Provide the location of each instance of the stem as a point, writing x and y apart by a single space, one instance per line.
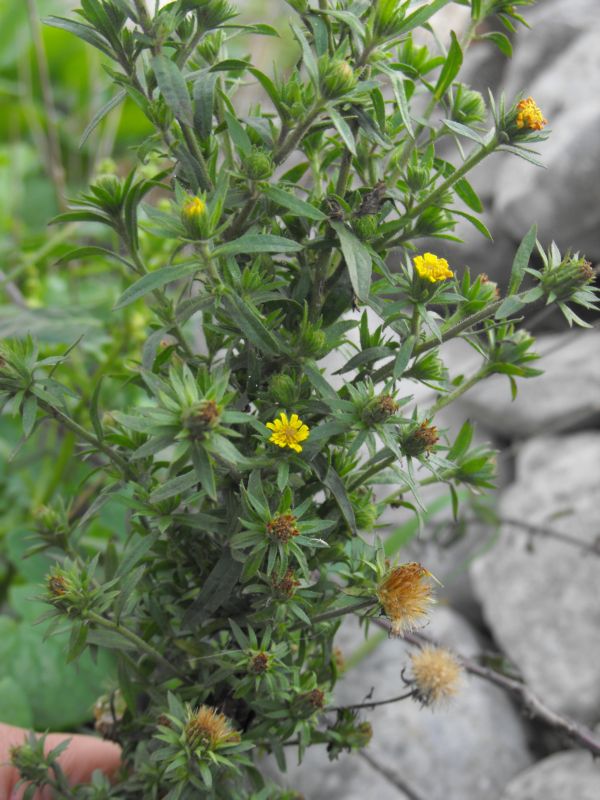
289 144
467 165
459 391
372 704
102 622
55 165
89 437
190 140
340 612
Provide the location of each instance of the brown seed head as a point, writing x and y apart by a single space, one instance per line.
283 527
286 586
202 418
437 675
422 440
259 663
406 595
209 729
57 586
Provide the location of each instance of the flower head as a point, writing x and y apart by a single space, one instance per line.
529 115
283 527
431 268
194 207
437 675
209 729
288 432
406 595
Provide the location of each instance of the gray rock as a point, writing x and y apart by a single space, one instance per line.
565 397
347 778
564 198
563 776
540 595
466 751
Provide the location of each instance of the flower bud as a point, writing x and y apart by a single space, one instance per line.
366 227
379 409
195 218
417 177
283 389
201 419
389 17
468 106
336 77
258 165
421 440
210 45
569 276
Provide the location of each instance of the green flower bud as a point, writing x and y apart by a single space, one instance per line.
417 177
201 419
468 106
366 227
210 45
109 193
565 279
195 218
258 165
210 13
379 409
336 77
388 18
283 390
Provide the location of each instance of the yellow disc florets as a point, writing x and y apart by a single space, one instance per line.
432 268
529 115
288 432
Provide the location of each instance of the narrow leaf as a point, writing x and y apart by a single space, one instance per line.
173 88
521 261
154 280
358 260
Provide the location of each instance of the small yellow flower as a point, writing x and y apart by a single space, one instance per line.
529 115
432 268
288 432
406 595
194 207
437 675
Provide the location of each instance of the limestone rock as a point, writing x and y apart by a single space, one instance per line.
540 595
565 397
563 199
573 775
466 751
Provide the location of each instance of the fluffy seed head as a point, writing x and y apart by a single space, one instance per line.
437 675
209 729
406 596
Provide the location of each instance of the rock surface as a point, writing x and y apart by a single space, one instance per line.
540 595
467 751
563 776
565 397
563 198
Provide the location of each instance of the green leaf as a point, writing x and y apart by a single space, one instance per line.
404 356
257 243
100 114
501 41
451 67
173 88
293 203
511 305
330 479
204 98
247 318
521 261
30 407
357 258
154 280
343 129
421 15
475 221
215 591
175 486
462 130
83 32
307 55
468 195
238 135
15 708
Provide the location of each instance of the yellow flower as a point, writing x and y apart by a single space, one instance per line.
437 675
288 433
432 268
194 207
529 115
406 595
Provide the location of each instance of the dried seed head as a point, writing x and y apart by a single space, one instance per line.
282 527
437 675
421 440
406 596
285 586
259 663
202 418
378 409
208 729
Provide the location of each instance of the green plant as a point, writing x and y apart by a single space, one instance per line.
250 245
